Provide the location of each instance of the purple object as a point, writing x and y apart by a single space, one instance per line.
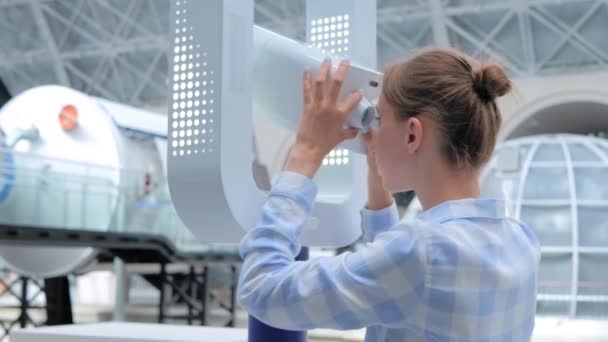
260 332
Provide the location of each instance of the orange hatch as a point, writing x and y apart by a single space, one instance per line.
68 117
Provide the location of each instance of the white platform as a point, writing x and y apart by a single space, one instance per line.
128 332
547 330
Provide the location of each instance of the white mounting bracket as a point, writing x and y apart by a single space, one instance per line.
210 122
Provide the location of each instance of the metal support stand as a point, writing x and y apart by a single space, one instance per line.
192 289
120 301
19 289
260 332
191 280
189 287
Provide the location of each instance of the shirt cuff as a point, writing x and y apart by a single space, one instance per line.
374 221
295 186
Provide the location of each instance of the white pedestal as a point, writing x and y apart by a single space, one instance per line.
128 332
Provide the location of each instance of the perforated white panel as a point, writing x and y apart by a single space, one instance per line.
209 147
194 106
330 28
331 33
337 157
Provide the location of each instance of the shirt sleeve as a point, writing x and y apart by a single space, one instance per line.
377 221
381 283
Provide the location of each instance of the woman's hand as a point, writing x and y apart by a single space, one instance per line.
321 126
378 196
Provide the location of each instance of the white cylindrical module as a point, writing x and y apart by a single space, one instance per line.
279 64
70 173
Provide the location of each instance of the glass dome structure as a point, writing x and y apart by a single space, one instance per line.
558 185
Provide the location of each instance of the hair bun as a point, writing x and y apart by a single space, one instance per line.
490 81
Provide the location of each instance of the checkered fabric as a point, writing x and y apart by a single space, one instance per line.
461 271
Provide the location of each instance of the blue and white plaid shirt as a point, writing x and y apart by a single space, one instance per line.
461 271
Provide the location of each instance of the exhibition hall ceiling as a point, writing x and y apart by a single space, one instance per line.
117 49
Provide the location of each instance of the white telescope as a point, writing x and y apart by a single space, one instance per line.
279 63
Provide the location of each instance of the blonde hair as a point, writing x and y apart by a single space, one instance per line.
456 91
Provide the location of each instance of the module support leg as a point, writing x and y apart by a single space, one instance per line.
120 301
233 296
58 301
162 288
24 302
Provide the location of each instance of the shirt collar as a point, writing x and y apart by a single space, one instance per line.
464 208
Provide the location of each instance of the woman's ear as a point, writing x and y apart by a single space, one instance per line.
413 137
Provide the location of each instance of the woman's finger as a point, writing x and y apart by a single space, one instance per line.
321 81
349 133
351 102
307 87
367 137
337 81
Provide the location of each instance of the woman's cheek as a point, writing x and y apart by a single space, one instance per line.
381 161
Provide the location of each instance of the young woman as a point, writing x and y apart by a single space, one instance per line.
461 271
